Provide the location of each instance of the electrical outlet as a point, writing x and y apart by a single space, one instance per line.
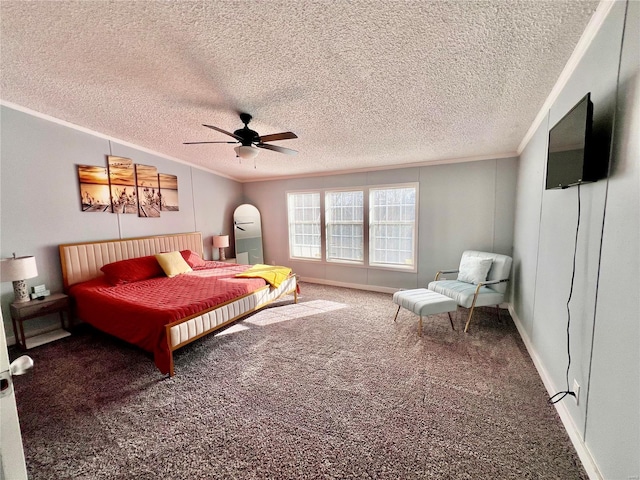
576 391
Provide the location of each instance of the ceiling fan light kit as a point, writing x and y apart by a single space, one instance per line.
250 141
246 152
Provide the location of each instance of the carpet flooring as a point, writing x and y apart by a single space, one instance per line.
327 388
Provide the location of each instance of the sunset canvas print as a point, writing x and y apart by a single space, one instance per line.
169 192
94 188
122 184
148 191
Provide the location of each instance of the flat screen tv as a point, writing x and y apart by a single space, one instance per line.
573 156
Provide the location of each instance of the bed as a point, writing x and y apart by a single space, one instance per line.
157 313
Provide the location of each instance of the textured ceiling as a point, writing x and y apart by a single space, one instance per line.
364 84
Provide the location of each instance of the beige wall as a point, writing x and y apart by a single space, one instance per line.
605 305
461 206
40 206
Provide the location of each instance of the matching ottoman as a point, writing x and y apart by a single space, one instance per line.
424 302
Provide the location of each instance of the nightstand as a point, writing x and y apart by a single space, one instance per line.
20 312
229 260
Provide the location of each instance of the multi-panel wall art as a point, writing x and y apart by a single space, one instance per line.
125 187
122 180
148 191
94 188
169 189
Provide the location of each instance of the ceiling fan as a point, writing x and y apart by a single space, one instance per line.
249 139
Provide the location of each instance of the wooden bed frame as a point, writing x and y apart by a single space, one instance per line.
82 261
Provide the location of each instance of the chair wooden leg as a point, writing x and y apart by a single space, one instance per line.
397 311
498 310
451 321
420 327
473 305
466 327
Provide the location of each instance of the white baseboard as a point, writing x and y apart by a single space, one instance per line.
369 288
357 286
575 436
36 332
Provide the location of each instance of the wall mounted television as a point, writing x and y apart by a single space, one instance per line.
575 155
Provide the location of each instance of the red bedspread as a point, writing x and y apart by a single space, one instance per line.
138 312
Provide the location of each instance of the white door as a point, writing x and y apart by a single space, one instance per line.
12 465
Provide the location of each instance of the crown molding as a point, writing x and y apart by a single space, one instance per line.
593 27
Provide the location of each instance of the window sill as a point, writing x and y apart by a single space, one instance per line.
388 268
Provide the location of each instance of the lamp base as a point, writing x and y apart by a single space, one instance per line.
222 257
20 291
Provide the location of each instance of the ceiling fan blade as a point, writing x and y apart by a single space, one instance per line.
197 143
278 136
276 148
223 131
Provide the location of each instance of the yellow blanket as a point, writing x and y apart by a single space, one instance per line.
274 275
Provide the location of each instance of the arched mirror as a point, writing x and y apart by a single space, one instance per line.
248 234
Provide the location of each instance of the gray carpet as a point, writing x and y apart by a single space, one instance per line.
329 388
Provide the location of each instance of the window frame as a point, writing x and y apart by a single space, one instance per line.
414 238
321 203
366 189
326 227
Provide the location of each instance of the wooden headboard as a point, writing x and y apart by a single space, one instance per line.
82 261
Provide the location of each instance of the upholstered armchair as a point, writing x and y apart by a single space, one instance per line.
481 281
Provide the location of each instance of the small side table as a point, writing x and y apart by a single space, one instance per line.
20 312
228 260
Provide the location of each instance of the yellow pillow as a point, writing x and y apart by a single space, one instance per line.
173 263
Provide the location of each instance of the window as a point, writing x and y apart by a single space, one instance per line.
344 226
392 226
331 225
304 225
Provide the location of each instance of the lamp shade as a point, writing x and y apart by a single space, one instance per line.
246 151
221 241
17 270
20 268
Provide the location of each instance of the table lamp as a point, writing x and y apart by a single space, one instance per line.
221 242
17 270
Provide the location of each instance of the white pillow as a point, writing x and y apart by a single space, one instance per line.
474 269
